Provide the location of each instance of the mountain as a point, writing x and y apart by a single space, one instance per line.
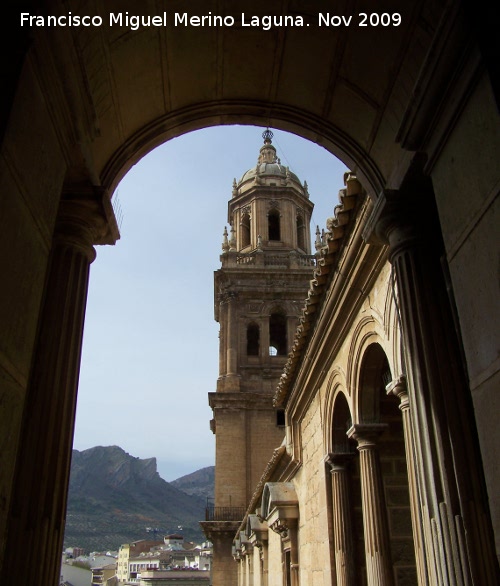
114 497
199 483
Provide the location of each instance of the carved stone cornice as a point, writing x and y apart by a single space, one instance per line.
281 527
228 400
219 530
327 259
225 296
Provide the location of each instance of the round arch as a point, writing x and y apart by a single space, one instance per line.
368 332
336 386
374 371
340 423
205 115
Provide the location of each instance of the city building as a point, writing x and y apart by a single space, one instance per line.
74 552
407 95
130 551
176 577
104 575
143 556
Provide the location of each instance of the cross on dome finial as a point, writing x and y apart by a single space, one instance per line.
267 135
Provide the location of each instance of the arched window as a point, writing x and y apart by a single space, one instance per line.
274 227
253 339
301 233
245 230
277 334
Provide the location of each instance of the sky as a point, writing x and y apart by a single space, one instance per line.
150 347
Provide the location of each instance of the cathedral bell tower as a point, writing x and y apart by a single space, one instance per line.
259 294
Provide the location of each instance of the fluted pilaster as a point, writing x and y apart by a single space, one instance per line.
343 540
457 536
376 532
264 556
232 343
399 389
42 474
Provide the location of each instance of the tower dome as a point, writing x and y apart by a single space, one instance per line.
270 210
269 170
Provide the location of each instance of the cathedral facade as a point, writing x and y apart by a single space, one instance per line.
341 500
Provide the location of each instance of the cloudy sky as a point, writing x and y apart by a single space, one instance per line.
150 352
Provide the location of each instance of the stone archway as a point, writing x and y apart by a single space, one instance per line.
82 107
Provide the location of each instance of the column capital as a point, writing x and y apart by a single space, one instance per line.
398 387
227 297
394 221
366 434
86 218
339 462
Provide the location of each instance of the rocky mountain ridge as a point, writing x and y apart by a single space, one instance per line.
200 483
116 498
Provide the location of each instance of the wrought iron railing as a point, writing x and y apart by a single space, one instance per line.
213 513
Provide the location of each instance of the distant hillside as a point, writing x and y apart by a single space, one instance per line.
199 483
113 497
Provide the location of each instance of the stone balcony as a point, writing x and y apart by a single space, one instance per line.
283 260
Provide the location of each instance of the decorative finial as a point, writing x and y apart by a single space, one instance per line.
225 242
235 187
267 135
232 241
318 242
267 153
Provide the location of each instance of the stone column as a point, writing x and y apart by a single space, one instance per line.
36 517
343 541
229 380
294 552
457 534
232 338
264 555
398 388
249 553
225 571
259 539
376 532
222 340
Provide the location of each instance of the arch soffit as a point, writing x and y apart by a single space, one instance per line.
267 308
392 330
336 387
217 113
275 308
367 332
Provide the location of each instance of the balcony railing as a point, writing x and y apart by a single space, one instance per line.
213 513
276 259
